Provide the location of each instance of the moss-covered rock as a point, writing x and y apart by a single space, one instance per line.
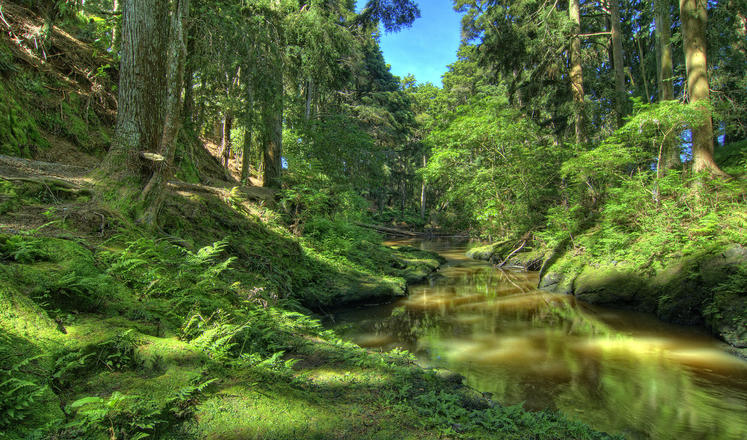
608 285
708 289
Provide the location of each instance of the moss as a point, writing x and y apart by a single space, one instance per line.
19 133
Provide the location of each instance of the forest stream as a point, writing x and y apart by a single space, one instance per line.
619 371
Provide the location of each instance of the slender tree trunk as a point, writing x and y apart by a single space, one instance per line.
664 75
642 68
155 191
189 73
664 31
246 156
577 80
309 96
225 143
617 61
694 17
422 192
115 5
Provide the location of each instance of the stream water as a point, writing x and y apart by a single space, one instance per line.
620 372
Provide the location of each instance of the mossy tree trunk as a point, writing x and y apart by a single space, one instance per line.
694 17
154 192
149 97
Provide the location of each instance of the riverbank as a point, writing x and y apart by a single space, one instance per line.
616 370
204 329
704 289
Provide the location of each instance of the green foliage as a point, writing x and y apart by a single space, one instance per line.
120 352
19 390
494 167
159 269
23 249
120 415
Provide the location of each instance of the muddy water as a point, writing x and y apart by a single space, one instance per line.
618 371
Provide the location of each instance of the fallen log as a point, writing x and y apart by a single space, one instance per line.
391 231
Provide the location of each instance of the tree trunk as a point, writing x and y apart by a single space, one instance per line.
189 73
272 115
664 31
422 192
617 61
139 125
309 96
246 156
694 17
642 68
577 80
115 5
155 191
664 75
225 144
273 148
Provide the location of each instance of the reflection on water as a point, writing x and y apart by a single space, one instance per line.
619 371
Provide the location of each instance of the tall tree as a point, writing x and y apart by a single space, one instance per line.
694 17
665 74
577 77
149 97
617 60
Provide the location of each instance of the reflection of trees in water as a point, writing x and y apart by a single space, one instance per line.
545 350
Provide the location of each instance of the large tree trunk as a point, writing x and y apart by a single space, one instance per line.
155 191
617 61
273 148
577 79
142 77
694 17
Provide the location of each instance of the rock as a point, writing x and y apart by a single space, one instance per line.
557 282
449 376
607 286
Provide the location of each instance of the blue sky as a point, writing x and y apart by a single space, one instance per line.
426 48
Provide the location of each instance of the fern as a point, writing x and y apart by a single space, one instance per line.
18 393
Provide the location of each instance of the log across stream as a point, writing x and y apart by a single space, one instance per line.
621 372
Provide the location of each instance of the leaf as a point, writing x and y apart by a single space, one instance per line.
86 401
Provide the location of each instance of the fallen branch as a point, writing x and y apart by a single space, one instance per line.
512 253
391 231
62 185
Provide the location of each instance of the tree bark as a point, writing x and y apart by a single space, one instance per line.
139 125
246 155
422 192
273 148
225 143
154 192
664 31
694 17
309 96
577 80
664 75
617 61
